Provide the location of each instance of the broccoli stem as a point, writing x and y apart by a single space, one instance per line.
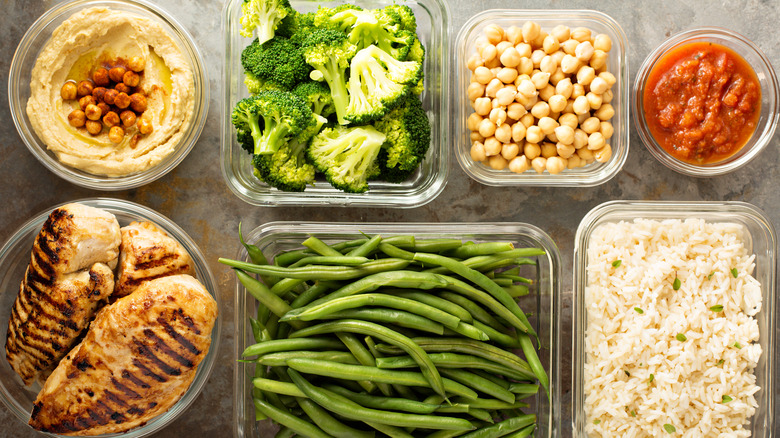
334 76
272 137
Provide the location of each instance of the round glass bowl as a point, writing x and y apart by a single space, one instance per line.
19 92
617 63
14 258
770 99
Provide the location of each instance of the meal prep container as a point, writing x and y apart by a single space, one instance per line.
14 258
422 187
760 240
770 100
19 91
543 302
465 45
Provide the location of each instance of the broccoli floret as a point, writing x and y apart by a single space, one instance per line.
329 52
383 28
347 156
271 118
317 95
408 133
378 83
256 85
286 169
263 16
403 16
278 60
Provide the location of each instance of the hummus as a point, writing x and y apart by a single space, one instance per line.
77 47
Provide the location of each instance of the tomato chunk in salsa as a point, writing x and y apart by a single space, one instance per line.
702 102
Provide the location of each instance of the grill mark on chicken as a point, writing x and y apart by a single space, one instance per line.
136 381
134 282
182 340
145 351
117 400
155 262
36 304
162 346
33 276
147 372
124 388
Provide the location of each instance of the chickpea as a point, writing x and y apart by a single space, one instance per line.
505 96
526 88
599 85
548 65
539 40
607 96
474 61
518 132
497 116
94 127
134 140
100 77
510 151
527 120
569 107
513 34
494 33
557 103
526 66
548 150
534 134
145 125
565 150
540 80
569 119
574 162
116 74
527 102
564 87
472 122
532 150
482 106
584 51
475 91
555 165
502 46
104 108
122 101
565 134
550 44
99 93
570 64
492 146
504 133
605 113
86 100
602 42
561 32
493 86
515 110
547 92
577 91
599 59
596 141
84 88
524 50
474 136
547 125
530 31
581 105
77 118
483 75
556 77
93 112
607 130
122 88
507 75
128 118
590 125
580 139
69 91
594 100
489 52
585 75
604 154
116 134
487 128
519 164
477 151
608 77
112 119
586 155
582 117
131 79
539 164
110 96
581 34
552 138
136 64
497 162
569 46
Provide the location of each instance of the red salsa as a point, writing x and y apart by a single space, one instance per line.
702 102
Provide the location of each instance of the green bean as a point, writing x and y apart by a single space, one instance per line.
327 423
478 249
398 317
285 432
436 245
533 360
349 409
516 290
515 278
261 292
479 414
277 387
489 301
364 357
479 383
446 434
434 301
256 255
300 426
321 272
402 390
397 278
289 257
362 372
386 403
504 427
479 279
290 345
477 312
492 377
312 312
257 330
491 403
280 358
522 433
314 292
394 251
330 260
523 388
488 262
453 360
469 331
367 248
320 247
285 285
391 431
496 336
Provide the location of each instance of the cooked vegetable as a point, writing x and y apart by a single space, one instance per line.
262 17
347 156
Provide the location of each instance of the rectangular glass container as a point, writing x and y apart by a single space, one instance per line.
465 45
423 186
543 302
760 239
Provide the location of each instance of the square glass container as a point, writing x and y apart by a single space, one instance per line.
423 186
759 239
465 45
543 302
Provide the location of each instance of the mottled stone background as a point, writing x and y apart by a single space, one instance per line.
195 196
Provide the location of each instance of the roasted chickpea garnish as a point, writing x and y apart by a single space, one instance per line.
84 88
145 125
69 91
87 100
104 107
116 74
77 118
122 88
100 77
138 102
94 127
93 112
134 141
98 93
128 118
136 64
111 119
116 134
110 96
122 100
131 79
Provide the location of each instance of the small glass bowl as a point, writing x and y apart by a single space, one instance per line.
23 62
422 187
759 239
770 100
543 303
465 45
14 258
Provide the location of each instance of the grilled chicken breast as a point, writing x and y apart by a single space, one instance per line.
148 253
138 358
69 277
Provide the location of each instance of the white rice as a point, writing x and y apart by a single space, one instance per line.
624 347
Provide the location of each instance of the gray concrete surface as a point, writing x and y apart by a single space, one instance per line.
195 196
